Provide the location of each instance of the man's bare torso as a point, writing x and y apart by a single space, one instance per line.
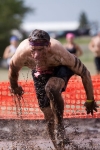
53 56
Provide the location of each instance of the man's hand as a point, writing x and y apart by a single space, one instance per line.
90 106
18 91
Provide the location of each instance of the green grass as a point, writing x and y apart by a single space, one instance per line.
25 74
83 40
79 40
87 56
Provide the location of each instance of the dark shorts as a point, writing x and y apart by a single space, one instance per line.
97 63
39 82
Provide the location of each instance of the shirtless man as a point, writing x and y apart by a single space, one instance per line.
52 66
94 46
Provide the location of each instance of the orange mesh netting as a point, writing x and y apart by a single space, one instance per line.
27 107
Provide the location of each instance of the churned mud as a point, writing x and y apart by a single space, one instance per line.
83 134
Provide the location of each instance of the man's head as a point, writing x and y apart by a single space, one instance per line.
39 41
39 38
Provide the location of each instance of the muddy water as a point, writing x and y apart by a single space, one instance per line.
83 134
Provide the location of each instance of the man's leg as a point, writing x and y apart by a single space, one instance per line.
49 117
50 95
53 90
44 103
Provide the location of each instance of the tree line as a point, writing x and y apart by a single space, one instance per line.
12 13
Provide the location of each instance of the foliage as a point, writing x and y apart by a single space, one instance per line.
11 15
83 20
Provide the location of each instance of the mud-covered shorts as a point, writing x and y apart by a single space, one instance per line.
39 82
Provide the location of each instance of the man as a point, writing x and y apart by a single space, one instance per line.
52 66
94 46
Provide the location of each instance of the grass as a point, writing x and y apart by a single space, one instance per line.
79 40
25 74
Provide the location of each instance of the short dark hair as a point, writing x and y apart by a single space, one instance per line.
39 35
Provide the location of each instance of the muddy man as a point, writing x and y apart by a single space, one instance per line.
52 66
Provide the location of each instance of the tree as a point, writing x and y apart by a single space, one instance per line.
12 13
83 20
84 26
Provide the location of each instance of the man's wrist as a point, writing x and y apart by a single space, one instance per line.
14 87
89 101
13 83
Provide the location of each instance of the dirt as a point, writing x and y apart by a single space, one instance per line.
83 134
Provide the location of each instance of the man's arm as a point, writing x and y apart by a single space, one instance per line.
78 68
13 75
13 79
16 63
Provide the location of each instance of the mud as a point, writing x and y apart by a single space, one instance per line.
83 134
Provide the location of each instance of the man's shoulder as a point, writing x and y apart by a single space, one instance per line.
23 46
57 47
54 42
21 53
22 50
24 43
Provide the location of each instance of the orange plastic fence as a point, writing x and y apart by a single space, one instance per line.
27 107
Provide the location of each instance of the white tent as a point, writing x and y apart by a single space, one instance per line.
51 26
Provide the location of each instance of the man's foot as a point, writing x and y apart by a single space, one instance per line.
67 141
60 146
70 144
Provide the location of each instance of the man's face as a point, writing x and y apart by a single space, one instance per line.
39 50
39 53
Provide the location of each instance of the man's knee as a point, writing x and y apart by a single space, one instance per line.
54 85
48 114
51 91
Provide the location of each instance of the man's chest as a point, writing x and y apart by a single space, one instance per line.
47 61
54 60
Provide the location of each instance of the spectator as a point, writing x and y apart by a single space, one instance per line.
71 46
94 46
9 51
